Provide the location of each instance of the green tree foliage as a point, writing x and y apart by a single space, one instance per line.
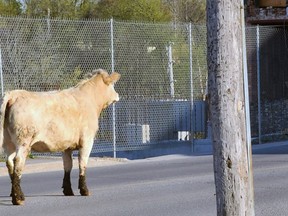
193 11
10 8
141 10
64 9
28 54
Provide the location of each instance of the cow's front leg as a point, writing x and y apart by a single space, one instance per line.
83 161
68 164
19 162
18 197
82 186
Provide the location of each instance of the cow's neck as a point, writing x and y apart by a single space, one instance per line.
94 94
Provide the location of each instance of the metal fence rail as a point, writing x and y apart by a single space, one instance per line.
163 68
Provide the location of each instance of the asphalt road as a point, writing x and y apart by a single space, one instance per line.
170 186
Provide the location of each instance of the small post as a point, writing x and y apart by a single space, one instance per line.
170 69
48 21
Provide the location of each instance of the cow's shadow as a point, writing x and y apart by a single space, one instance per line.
6 200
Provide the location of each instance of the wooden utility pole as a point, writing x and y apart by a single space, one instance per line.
232 158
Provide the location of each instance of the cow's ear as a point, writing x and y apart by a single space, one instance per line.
113 78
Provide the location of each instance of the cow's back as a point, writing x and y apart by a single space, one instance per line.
50 121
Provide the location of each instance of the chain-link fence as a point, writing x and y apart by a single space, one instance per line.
267 51
163 68
164 74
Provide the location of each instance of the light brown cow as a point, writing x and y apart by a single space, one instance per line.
53 121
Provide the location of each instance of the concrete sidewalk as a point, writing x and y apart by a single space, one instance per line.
47 164
271 148
205 147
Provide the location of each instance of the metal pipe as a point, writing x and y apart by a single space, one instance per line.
113 106
192 119
247 111
246 84
258 84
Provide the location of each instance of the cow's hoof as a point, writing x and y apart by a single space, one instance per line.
84 192
68 192
17 202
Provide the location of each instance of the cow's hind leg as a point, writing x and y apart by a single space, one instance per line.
68 164
10 165
19 163
83 160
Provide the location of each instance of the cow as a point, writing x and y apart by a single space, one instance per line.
54 121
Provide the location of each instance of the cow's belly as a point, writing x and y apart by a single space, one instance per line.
60 147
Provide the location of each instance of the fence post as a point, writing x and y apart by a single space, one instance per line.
113 106
258 83
1 74
192 119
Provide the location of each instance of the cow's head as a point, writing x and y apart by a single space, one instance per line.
110 81
108 92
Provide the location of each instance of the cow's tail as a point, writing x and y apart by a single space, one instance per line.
4 102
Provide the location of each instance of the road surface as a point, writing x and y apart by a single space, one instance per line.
168 186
